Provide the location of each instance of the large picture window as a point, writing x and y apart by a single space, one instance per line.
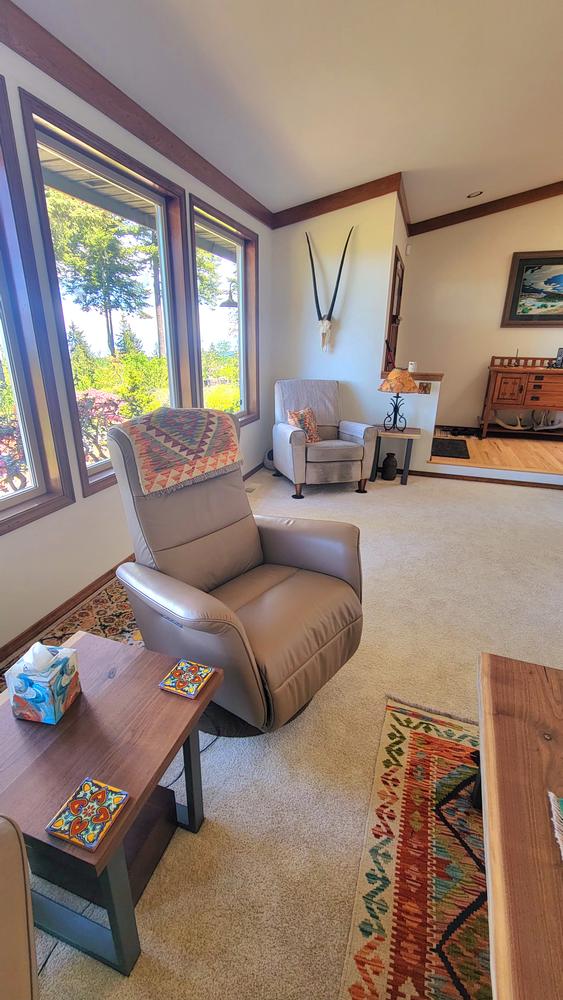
226 281
107 234
34 473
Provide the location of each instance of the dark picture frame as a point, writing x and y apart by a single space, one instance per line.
527 303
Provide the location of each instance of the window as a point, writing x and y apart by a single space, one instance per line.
226 281
34 472
108 241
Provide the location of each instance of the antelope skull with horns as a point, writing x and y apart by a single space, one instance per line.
325 321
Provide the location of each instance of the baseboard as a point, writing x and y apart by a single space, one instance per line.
257 468
29 634
487 479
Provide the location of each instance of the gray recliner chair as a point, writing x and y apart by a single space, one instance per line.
275 602
346 449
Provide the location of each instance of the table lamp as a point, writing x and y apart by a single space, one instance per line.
397 381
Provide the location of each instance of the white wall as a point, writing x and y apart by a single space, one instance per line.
44 563
361 310
454 295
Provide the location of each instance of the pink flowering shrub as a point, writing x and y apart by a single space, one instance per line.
97 412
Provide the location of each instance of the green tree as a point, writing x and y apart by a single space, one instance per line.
99 262
209 282
128 341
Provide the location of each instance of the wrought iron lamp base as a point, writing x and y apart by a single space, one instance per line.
395 421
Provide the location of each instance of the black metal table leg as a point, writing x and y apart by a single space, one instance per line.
191 817
117 946
375 465
406 463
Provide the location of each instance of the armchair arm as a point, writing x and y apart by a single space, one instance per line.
182 604
289 451
185 622
365 434
331 547
351 430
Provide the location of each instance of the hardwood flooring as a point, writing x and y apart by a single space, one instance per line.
513 454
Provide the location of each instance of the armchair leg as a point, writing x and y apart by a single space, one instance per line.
362 486
298 495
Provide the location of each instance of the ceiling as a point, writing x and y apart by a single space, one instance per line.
301 98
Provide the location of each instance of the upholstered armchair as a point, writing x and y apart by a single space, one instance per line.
346 449
275 602
17 938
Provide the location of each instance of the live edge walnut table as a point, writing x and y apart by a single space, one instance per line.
124 730
521 733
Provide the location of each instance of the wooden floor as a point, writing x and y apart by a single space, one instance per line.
513 454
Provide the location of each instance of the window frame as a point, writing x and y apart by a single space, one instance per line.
250 287
30 354
41 119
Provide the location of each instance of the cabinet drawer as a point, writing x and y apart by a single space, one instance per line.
548 397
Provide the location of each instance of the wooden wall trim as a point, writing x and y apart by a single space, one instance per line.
487 208
32 41
340 199
29 635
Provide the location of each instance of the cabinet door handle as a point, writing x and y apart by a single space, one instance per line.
534 397
520 388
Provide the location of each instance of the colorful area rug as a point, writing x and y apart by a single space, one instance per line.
107 613
420 925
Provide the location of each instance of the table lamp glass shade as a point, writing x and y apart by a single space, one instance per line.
397 382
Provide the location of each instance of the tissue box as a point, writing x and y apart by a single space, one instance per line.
43 695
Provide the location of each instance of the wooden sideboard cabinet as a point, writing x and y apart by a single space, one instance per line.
521 384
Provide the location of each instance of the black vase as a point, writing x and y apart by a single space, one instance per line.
389 467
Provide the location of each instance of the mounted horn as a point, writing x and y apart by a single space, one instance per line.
325 321
315 289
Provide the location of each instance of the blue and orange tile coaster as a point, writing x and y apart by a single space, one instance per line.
88 814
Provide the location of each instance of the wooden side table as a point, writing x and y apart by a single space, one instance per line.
521 733
409 435
125 730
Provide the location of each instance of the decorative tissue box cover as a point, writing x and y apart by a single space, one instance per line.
88 814
44 696
186 678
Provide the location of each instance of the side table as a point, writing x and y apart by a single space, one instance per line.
409 435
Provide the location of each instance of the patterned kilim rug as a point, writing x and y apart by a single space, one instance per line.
107 613
419 925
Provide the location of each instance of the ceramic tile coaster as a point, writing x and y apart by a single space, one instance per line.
88 814
186 678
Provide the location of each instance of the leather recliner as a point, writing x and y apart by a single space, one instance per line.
18 965
275 602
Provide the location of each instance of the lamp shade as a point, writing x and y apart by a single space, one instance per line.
398 380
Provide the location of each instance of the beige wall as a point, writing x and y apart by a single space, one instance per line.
361 310
44 563
454 295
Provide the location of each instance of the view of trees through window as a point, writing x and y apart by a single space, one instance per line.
109 250
220 304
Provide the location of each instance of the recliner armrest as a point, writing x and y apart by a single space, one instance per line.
184 605
330 547
351 430
290 434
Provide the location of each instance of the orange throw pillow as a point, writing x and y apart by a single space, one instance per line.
307 421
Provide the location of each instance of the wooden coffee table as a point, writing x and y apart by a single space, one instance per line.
521 733
123 730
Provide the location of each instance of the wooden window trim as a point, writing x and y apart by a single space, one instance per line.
251 297
29 320
67 131
397 260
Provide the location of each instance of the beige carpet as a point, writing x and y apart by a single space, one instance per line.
257 906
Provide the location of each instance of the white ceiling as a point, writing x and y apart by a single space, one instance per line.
294 99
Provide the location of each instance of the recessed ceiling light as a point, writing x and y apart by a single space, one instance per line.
474 194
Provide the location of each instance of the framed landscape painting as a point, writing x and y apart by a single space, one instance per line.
535 290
